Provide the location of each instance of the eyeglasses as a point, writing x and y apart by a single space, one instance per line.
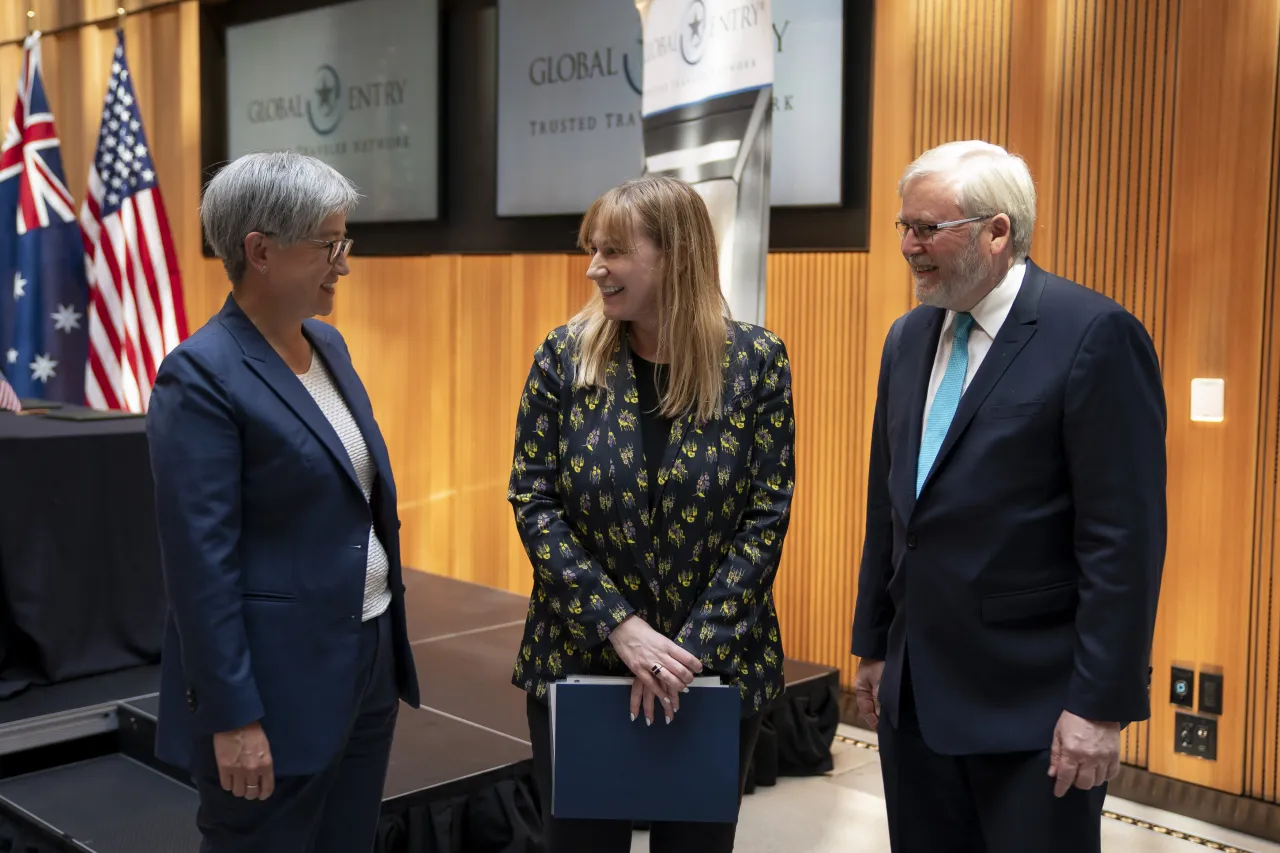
924 232
337 248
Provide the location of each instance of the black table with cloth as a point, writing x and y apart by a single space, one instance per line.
81 590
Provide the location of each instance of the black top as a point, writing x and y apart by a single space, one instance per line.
655 429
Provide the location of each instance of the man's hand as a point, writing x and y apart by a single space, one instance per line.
244 762
866 687
640 647
1084 754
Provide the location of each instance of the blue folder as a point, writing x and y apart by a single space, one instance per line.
605 767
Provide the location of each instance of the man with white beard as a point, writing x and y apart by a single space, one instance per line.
1015 531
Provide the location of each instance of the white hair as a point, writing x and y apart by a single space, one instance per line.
987 180
282 193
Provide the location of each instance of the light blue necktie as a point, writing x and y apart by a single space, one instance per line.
946 401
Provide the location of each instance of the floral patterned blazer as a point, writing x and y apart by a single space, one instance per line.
699 564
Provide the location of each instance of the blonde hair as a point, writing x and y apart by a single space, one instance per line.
693 315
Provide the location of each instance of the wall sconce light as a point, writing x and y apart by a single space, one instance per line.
1207 404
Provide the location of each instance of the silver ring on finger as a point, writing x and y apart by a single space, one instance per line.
656 669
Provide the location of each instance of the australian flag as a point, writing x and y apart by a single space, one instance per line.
43 289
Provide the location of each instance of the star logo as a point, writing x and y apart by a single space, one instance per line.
693 39
326 93
324 108
66 318
12 356
43 368
19 286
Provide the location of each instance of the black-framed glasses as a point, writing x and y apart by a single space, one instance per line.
924 231
337 248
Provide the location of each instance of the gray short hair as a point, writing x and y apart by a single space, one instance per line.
987 180
283 193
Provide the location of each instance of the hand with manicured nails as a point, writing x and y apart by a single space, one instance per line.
640 647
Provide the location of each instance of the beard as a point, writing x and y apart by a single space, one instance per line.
953 285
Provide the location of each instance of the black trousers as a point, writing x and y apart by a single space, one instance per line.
614 836
335 810
980 803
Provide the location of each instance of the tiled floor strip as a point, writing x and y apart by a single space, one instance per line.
1141 824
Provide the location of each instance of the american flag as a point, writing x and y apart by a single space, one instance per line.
42 274
8 397
136 313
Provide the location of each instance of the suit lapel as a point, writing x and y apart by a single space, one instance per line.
1018 328
917 349
267 363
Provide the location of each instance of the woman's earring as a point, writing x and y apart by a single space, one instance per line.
262 270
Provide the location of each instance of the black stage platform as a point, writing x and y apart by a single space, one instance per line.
77 770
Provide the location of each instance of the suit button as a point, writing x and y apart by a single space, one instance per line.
911 540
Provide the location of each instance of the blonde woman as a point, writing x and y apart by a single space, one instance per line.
652 481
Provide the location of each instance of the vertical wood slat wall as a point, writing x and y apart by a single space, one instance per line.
1151 129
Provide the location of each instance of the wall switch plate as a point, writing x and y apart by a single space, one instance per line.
1207 397
1196 736
1182 687
1210 693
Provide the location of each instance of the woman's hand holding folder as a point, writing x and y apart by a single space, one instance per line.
663 670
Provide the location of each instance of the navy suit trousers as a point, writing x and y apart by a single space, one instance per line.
335 810
1000 803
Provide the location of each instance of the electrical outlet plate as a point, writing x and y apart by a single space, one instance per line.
1210 692
1182 687
1196 736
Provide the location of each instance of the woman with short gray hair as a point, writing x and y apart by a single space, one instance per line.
286 654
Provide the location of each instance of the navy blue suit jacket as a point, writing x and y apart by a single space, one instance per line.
1023 581
264 535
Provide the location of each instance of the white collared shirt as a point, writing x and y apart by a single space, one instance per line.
988 316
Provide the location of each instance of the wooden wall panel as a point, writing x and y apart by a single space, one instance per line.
1262 709
57 14
962 71
816 585
1223 137
1114 163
